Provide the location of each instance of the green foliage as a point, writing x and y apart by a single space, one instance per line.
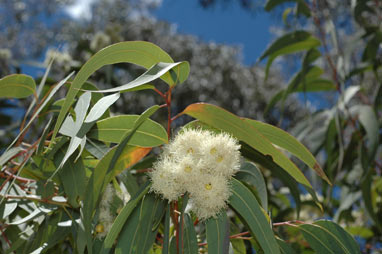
81 186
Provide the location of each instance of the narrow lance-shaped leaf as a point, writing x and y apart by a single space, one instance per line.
166 238
244 203
140 229
250 174
328 237
288 44
101 177
190 242
82 125
369 121
155 72
7 155
284 140
54 90
141 53
218 234
242 130
121 219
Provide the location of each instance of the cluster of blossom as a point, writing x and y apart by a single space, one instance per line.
201 163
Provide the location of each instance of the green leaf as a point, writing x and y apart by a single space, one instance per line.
73 179
290 43
307 80
360 231
250 174
284 140
54 90
106 169
190 242
284 247
271 4
141 53
378 99
17 86
7 155
218 234
44 135
181 70
328 237
244 131
166 238
244 203
181 230
369 121
276 171
78 129
138 233
366 188
122 218
149 134
238 246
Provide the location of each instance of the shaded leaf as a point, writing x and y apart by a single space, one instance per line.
104 172
284 247
290 43
244 203
73 179
166 237
190 242
328 237
138 233
250 174
122 217
218 234
369 121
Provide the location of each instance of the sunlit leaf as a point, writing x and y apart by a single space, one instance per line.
149 134
284 140
181 70
242 130
141 53
17 86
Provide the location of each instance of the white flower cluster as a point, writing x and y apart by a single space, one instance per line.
201 163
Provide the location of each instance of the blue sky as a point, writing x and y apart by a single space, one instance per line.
229 25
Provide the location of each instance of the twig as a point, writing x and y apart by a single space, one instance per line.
5 238
317 22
